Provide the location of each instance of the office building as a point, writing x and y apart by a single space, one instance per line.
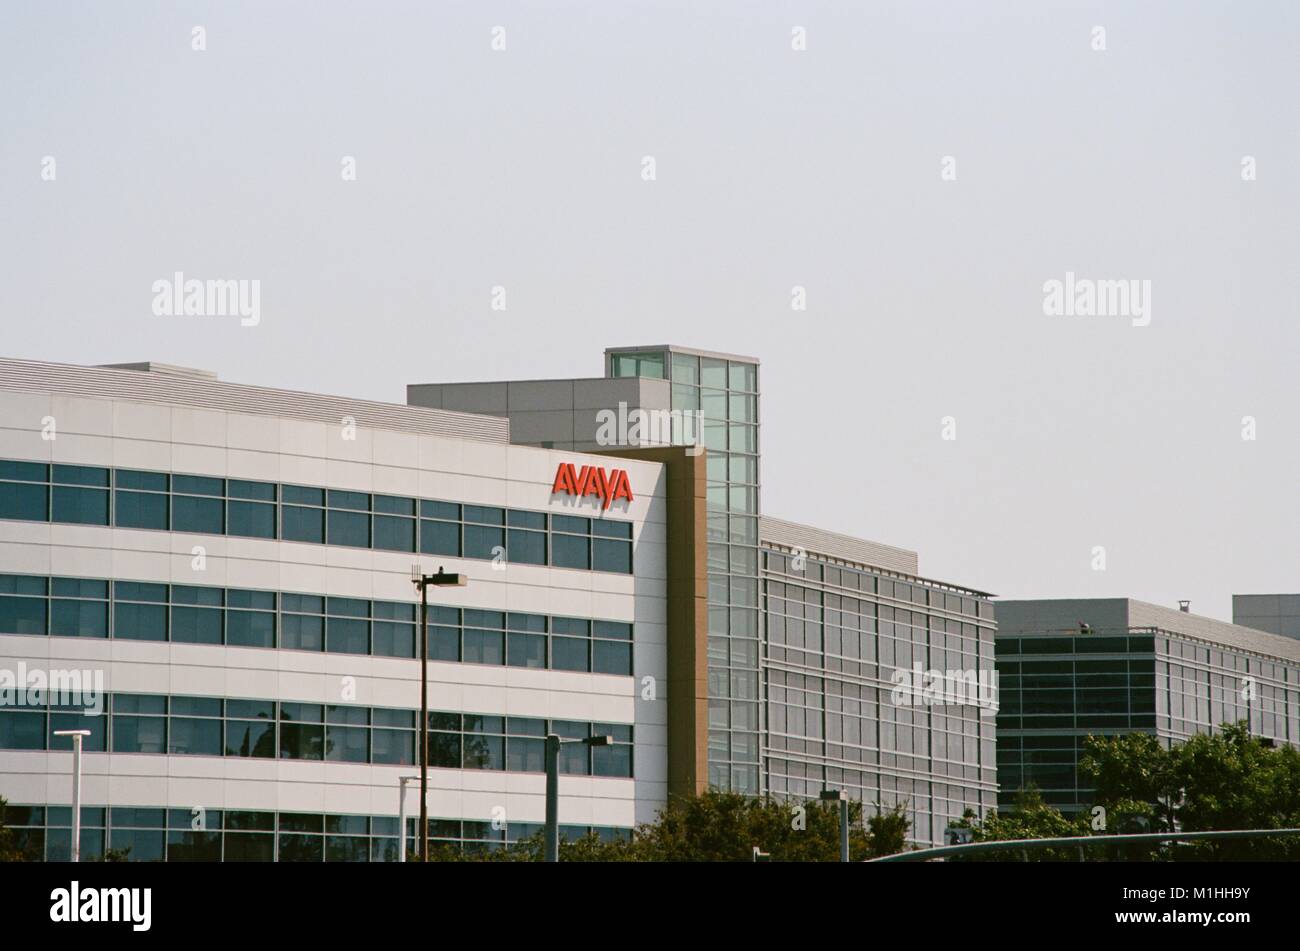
1107 666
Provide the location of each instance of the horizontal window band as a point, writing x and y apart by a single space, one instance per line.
236 617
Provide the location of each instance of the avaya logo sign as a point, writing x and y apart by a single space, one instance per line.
592 480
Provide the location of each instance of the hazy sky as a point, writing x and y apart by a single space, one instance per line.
821 168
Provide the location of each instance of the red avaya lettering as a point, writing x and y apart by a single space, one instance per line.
565 480
593 481
622 487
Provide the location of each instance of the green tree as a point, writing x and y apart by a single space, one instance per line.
1135 780
13 847
1032 818
1227 780
719 826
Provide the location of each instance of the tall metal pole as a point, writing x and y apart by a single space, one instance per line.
552 798
424 719
844 829
401 818
76 797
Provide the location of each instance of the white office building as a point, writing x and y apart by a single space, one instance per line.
231 565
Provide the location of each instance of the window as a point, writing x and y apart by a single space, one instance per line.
250 618
570 644
393 629
526 538
197 504
526 641
612 648
445 740
348 521
23 606
439 528
302 733
197 614
484 637
392 737
304 519
614 760
570 542
444 633
302 622
250 510
140 499
484 537
80 495
347 734
194 728
139 723
79 608
484 740
139 611
609 555
394 523
23 492
347 628
250 728
525 745
22 729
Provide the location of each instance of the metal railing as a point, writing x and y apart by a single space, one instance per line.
1077 841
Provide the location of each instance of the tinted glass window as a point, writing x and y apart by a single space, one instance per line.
26 502
80 506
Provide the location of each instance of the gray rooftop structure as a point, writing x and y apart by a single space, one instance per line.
788 534
1275 613
149 382
1111 614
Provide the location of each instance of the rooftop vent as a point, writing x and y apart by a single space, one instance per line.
163 369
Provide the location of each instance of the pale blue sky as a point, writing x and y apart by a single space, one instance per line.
775 168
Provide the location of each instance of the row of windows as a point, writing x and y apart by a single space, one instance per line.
267 729
812 569
685 368
215 835
1081 721
128 498
82 607
1085 644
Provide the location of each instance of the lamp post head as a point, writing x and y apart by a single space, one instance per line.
443 579
72 733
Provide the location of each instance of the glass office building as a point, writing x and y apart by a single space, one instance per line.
797 666
718 395
1069 669
837 634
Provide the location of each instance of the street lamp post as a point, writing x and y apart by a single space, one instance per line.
401 816
553 744
77 737
840 796
440 580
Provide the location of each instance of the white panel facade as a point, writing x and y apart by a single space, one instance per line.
191 440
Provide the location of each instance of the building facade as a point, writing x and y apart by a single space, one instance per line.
234 562
807 629
1073 668
214 580
840 625
1275 613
